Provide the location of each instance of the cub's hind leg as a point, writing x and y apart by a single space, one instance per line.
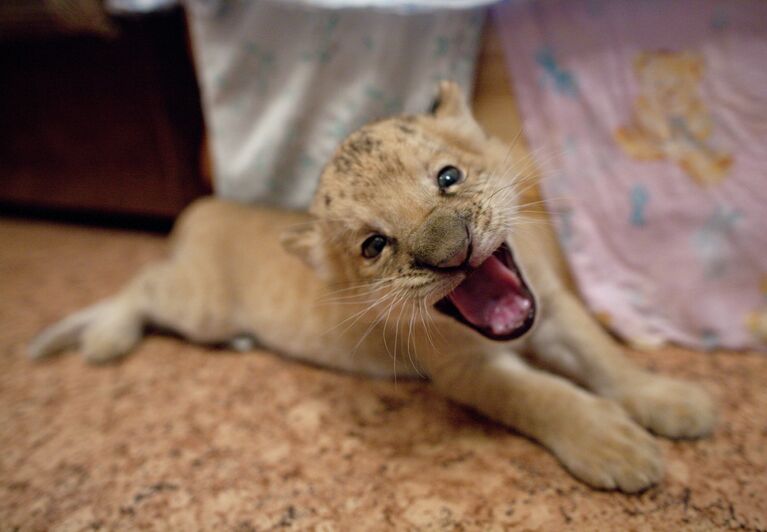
103 331
184 297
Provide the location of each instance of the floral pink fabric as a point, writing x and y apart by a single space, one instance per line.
655 113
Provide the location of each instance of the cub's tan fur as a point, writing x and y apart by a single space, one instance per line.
323 302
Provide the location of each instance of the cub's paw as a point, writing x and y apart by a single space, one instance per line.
669 407
604 448
107 340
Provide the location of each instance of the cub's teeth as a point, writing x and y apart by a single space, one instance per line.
508 314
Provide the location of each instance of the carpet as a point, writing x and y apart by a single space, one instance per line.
182 437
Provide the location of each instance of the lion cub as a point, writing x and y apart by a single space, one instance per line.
413 261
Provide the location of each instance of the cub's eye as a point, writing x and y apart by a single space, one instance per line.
449 176
373 246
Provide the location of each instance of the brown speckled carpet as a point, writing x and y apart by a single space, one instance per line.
178 437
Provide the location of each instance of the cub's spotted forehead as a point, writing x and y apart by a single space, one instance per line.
380 149
375 166
386 165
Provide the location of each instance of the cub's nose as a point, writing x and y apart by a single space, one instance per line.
443 241
460 256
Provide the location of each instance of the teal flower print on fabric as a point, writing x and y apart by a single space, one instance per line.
563 80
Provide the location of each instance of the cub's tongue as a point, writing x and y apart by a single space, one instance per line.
492 297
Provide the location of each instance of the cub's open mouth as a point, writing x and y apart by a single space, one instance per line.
494 299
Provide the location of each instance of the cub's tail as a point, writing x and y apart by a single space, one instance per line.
102 331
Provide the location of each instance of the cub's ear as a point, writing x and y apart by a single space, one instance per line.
450 108
450 101
305 242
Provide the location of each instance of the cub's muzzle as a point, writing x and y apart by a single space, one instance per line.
443 241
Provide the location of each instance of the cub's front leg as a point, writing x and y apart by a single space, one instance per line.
593 437
571 342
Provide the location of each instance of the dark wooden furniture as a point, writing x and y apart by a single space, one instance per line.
98 125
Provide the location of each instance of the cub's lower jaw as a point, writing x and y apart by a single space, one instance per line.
493 299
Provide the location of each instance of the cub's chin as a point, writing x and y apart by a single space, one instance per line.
493 299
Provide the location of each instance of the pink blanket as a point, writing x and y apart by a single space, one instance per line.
655 113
